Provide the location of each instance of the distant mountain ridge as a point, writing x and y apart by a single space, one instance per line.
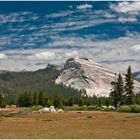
82 73
79 73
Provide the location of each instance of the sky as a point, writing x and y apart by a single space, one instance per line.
34 34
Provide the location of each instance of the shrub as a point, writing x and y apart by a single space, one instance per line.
90 108
36 107
107 109
129 108
124 108
135 108
82 108
3 105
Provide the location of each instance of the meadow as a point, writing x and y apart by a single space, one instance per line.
69 124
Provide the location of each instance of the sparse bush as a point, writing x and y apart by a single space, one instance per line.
135 108
124 108
36 107
84 107
3 105
90 108
81 108
129 108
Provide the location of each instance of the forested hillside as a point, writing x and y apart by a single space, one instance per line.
18 82
15 83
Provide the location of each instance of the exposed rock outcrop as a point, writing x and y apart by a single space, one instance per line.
83 73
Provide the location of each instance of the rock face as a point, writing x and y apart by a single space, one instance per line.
82 73
46 109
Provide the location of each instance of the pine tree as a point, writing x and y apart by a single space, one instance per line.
35 99
71 101
58 101
99 102
120 90
113 93
129 86
25 100
81 102
107 102
49 102
41 98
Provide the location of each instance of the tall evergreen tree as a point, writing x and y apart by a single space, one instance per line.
120 90
113 93
71 102
41 100
58 101
49 102
35 98
81 102
25 100
129 86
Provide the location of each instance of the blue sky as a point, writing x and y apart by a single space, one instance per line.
33 34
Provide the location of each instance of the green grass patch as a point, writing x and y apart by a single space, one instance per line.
129 108
23 111
81 108
36 107
13 114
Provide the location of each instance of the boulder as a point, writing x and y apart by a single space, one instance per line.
111 107
52 109
44 110
104 106
60 110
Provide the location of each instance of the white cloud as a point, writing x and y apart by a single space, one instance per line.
127 19
42 56
126 11
71 41
72 54
17 17
84 6
136 47
50 37
126 7
113 53
3 56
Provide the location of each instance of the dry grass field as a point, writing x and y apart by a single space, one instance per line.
71 124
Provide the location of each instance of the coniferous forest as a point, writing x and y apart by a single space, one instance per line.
26 89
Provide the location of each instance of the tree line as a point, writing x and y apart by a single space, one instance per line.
59 95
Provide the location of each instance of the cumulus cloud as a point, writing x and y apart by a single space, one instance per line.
43 56
126 7
84 6
126 11
3 56
111 52
72 54
136 47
